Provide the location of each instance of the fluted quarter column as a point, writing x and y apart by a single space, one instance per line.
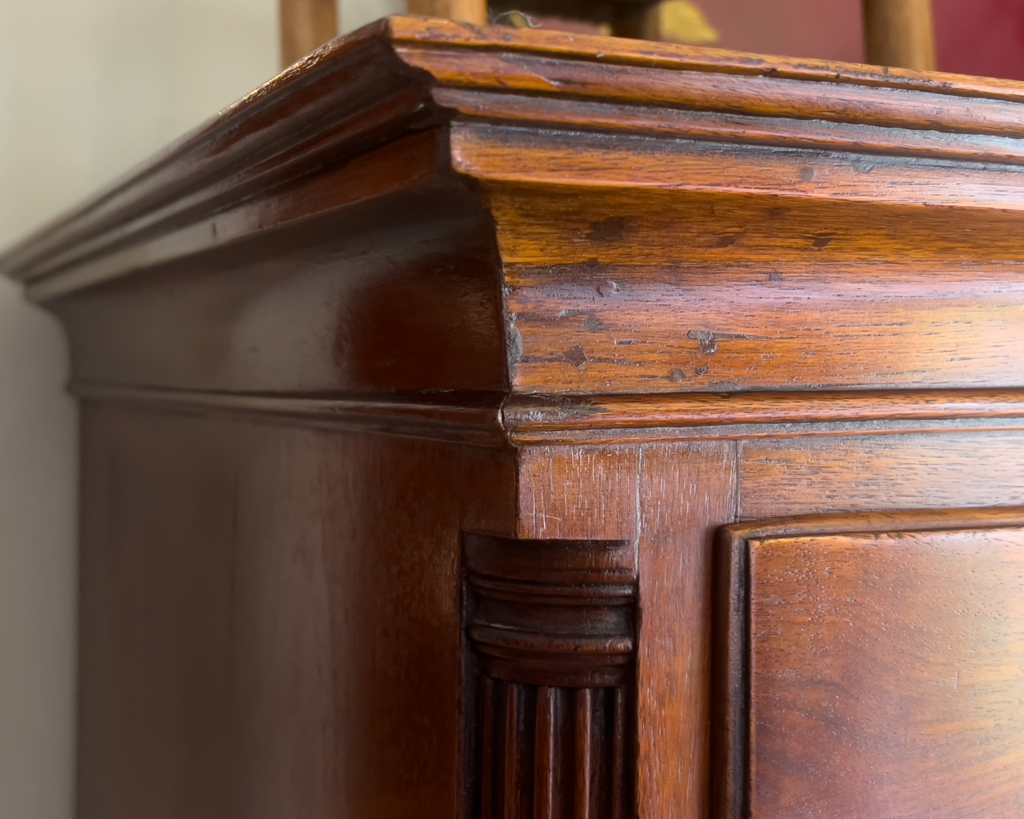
552 625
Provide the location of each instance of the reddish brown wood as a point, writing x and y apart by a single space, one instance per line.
887 652
553 623
417 383
687 490
239 641
883 473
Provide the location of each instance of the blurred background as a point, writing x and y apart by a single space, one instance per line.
88 88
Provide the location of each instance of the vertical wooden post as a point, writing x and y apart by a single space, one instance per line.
306 25
900 33
463 11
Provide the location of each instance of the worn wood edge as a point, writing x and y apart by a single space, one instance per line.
262 216
740 432
728 127
623 51
193 214
499 155
541 413
767 96
210 168
435 416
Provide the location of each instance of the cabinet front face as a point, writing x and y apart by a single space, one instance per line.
871 666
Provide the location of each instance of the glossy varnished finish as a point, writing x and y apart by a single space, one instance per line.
253 600
417 384
872 666
553 629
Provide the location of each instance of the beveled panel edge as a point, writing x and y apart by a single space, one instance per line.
525 420
865 523
730 734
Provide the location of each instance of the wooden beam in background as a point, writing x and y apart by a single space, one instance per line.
462 11
899 33
306 25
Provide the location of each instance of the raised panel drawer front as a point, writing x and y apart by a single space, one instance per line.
871 667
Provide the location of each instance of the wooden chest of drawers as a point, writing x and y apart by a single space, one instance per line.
497 423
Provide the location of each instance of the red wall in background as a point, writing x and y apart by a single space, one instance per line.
983 37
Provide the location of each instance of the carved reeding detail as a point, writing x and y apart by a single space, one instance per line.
552 625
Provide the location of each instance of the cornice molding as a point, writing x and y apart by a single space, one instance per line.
404 74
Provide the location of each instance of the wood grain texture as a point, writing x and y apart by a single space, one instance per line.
687 492
534 419
886 655
629 330
580 492
369 311
874 474
253 598
552 625
440 285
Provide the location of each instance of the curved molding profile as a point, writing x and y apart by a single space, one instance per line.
937 579
552 625
403 75
543 419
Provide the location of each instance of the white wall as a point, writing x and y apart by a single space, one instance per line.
87 89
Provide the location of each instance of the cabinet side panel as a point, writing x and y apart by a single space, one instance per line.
686 492
270 621
156 545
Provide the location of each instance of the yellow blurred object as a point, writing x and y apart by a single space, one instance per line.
683 21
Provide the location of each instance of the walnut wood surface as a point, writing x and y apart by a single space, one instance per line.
713 196
252 599
553 627
687 490
872 667
363 355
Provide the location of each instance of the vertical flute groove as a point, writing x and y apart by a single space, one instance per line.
544 755
584 729
553 628
487 748
512 751
618 753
